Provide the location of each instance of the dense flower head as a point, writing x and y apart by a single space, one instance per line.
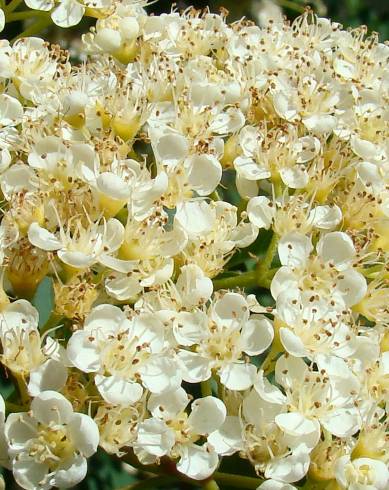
209 205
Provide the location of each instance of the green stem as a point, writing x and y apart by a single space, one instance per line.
211 485
264 265
35 28
237 481
245 280
22 388
25 14
206 388
154 482
14 4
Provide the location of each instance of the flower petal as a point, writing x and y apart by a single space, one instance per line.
207 415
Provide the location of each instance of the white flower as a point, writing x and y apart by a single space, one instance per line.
126 355
22 352
213 231
82 247
288 460
48 445
173 432
361 474
219 340
323 284
312 397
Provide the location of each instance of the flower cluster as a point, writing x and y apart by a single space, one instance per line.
209 204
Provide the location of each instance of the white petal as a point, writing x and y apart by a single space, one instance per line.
19 314
171 149
320 123
41 238
18 177
123 288
353 286
30 474
228 438
256 336
44 5
155 437
246 188
295 424
68 13
294 249
191 328
284 106
205 173
236 376
308 148
231 308
342 422
194 367
5 159
244 234
207 415
250 170
295 177
261 211
364 149
267 391
283 279
19 429
325 217
51 375
76 259
113 235
50 406
2 20
160 375
197 462
11 110
107 319
290 468
196 217
336 247
292 343
289 370
109 40
167 405
72 473
84 433
118 391
344 68
83 353
193 286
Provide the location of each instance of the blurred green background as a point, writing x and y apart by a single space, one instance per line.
106 473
